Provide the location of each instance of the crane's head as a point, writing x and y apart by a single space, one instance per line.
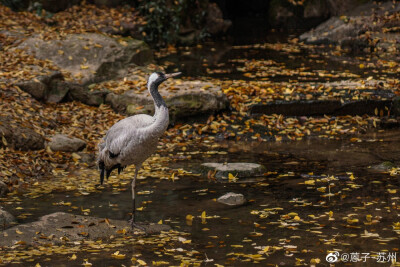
157 78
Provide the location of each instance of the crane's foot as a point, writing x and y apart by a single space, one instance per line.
135 225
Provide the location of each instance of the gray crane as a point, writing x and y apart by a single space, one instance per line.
133 139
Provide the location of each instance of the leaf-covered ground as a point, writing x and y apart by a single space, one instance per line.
320 209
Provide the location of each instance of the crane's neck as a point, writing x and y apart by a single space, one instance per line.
161 114
158 100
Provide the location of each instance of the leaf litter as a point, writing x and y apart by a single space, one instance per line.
34 174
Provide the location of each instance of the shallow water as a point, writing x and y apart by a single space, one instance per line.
273 201
225 61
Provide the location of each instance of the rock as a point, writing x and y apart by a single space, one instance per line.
19 136
63 227
347 28
49 88
80 93
87 158
6 219
185 99
239 169
215 22
57 92
232 199
385 166
3 189
36 89
53 89
107 57
334 30
60 142
53 77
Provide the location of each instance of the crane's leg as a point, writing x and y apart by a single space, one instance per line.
132 221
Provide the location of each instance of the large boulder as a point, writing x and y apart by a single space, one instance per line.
90 57
19 136
54 89
60 142
184 99
348 28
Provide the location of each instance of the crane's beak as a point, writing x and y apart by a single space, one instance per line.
170 75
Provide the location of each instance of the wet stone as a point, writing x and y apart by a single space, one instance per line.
232 199
385 166
6 219
60 227
238 169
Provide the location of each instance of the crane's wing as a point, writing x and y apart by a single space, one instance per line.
121 133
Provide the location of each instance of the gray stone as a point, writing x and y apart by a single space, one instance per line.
60 142
385 166
80 93
87 158
6 219
49 88
63 227
348 30
239 169
186 99
334 30
36 89
232 199
3 189
19 136
105 57
57 92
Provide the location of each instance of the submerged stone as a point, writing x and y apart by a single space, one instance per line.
238 169
60 227
385 166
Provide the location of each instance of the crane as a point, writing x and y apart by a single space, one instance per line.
133 139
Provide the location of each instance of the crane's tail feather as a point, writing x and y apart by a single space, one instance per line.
107 172
116 166
120 169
